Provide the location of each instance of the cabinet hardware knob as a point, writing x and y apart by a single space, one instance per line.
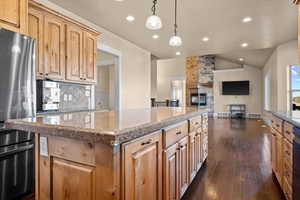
287 132
178 133
148 142
41 73
46 74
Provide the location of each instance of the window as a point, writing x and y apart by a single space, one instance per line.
294 87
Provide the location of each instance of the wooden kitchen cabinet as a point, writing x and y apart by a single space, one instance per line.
142 168
72 180
277 155
183 165
66 49
171 173
35 30
74 70
54 30
13 15
90 54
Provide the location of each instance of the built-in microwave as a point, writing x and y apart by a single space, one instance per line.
48 96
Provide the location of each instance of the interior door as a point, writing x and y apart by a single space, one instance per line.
54 48
35 30
74 69
142 169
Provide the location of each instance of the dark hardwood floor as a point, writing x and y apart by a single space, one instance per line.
238 165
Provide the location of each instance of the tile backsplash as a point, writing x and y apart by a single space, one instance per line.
75 97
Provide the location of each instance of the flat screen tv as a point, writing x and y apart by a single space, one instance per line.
235 87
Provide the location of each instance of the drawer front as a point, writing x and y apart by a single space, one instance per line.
288 152
174 133
287 189
288 131
276 123
195 124
288 173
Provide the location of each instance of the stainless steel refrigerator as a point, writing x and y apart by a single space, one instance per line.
17 100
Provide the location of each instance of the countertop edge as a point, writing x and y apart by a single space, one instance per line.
288 119
91 135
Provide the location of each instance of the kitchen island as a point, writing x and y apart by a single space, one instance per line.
285 128
142 154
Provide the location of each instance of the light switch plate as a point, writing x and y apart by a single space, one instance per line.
44 146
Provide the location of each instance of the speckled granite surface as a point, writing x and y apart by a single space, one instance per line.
113 127
290 116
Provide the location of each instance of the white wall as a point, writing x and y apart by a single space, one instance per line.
168 70
253 101
135 70
153 77
277 65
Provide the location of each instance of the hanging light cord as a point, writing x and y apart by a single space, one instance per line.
154 7
175 25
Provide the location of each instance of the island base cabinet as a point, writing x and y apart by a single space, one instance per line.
176 170
142 168
277 156
171 173
72 181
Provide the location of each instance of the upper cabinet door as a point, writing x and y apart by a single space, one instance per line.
13 15
54 48
74 67
90 50
35 30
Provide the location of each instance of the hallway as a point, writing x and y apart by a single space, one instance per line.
238 165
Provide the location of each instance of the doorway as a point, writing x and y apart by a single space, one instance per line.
106 91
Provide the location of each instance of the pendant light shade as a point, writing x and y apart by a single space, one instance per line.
153 22
175 40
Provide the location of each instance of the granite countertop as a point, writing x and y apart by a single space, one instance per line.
290 116
111 127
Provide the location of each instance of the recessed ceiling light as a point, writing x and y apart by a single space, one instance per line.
241 59
244 44
247 19
155 36
178 53
130 18
205 39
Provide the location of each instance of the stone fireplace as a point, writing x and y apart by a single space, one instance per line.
199 81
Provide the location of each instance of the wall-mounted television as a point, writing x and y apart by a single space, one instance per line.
235 87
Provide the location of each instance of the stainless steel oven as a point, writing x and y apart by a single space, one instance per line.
16 164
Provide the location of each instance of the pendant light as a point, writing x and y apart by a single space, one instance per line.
175 40
153 22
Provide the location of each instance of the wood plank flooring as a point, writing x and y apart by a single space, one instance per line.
238 165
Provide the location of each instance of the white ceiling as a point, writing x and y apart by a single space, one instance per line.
274 22
256 58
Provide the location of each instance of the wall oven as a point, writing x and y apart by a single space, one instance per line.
16 164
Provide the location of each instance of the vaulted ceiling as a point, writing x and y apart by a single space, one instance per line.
274 22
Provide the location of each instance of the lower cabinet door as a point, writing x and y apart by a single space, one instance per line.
183 165
171 173
198 151
193 155
142 168
71 180
273 153
279 158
